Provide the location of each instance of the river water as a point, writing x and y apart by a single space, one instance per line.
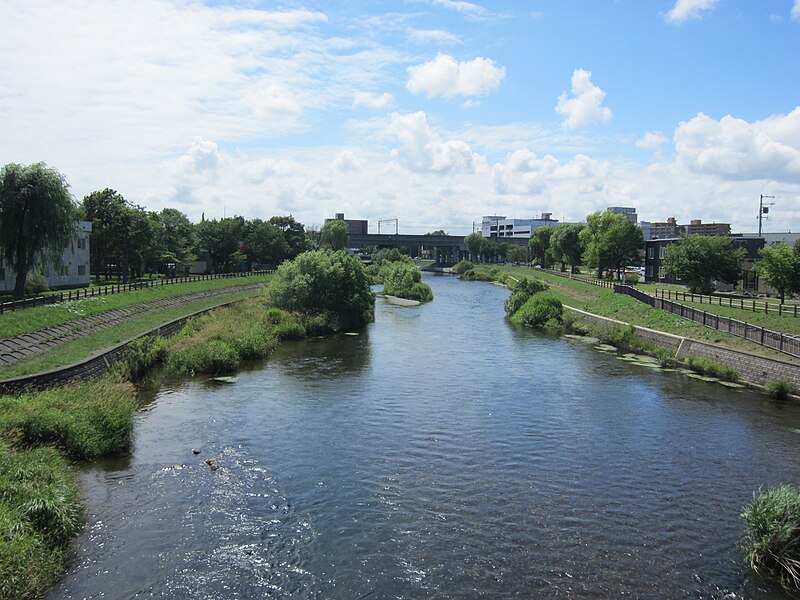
439 454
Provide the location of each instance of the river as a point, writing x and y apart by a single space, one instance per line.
440 453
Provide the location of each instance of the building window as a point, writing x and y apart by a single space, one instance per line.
81 269
661 273
662 252
81 243
651 252
648 270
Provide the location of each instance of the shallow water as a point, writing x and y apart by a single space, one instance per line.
439 454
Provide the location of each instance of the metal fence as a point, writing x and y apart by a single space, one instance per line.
108 290
741 303
782 342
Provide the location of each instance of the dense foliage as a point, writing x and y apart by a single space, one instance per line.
404 280
698 260
37 217
523 290
333 235
325 283
779 267
540 310
773 534
610 241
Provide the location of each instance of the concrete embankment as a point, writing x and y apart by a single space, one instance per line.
755 370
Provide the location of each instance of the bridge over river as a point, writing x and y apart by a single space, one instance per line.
444 249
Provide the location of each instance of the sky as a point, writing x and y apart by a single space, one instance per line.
433 112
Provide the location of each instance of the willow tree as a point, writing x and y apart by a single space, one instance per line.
37 218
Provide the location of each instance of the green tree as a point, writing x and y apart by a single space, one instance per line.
294 233
333 235
610 241
779 267
476 244
539 245
265 243
698 260
177 241
404 280
437 232
325 284
566 244
223 241
37 218
517 254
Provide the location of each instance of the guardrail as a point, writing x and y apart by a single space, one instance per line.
782 342
69 295
741 303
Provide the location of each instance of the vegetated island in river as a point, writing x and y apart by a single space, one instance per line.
42 434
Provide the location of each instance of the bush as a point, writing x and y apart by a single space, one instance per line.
779 390
772 544
323 282
524 289
665 358
141 355
214 357
632 278
289 330
712 369
404 281
35 283
538 310
462 267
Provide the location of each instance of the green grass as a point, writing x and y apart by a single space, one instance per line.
41 317
712 369
772 545
83 347
40 509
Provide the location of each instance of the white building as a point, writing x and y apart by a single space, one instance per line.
74 271
500 227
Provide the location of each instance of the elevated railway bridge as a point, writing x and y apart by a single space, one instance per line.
444 249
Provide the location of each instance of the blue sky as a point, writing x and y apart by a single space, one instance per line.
432 111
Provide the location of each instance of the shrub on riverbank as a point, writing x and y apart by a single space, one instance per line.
773 534
84 420
40 512
712 369
462 267
523 290
142 355
324 283
779 390
404 280
540 310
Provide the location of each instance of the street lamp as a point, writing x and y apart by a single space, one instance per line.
763 210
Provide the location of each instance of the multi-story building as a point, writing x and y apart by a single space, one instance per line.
74 271
354 226
501 227
670 229
628 211
697 227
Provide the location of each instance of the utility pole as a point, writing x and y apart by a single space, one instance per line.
763 210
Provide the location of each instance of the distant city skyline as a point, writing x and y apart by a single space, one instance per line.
432 111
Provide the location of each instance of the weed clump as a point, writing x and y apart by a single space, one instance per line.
712 369
772 544
779 390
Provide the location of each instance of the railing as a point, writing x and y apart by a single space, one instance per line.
741 303
107 290
592 280
782 342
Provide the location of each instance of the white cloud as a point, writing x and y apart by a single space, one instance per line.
433 36
527 174
796 11
685 10
423 150
373 101
347 161
735 149
586 105
445 76
467 8
258 171
651 140
202 155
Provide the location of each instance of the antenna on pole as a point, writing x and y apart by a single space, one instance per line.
763 210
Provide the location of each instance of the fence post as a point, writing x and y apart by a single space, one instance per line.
754 306
781 343
762 336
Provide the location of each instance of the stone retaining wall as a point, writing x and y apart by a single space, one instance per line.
96 364
754 370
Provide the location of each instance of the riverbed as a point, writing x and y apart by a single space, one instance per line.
440 453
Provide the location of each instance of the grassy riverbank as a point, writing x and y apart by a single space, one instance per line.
41 317
604 302
40 509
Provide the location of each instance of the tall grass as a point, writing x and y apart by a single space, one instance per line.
712 369
84 420
772 544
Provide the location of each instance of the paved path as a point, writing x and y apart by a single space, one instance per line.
26 345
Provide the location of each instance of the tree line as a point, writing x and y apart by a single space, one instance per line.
38 215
